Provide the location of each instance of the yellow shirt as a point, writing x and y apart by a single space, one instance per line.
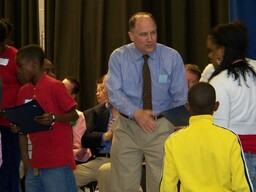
205 158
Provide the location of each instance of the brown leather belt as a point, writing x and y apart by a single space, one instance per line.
103 155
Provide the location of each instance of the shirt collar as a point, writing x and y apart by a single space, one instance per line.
203 119
40 83
108 106
138 55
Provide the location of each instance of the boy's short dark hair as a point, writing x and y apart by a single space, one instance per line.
202 98
31 52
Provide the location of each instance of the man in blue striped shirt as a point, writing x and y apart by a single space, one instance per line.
140 132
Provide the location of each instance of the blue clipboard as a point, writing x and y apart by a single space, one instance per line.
178 116
23 116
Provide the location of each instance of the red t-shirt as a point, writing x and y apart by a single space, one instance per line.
10 83
51 148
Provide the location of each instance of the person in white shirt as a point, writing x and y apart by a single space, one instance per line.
235 84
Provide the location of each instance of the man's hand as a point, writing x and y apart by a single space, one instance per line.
109 134
145 119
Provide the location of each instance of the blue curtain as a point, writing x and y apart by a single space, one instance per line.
245 10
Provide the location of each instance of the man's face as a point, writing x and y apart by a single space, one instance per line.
192 78
144 35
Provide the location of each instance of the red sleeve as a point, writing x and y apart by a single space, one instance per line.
62 97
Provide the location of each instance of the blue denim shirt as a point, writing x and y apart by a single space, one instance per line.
124 83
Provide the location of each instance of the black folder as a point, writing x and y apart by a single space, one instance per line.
23 116
178 116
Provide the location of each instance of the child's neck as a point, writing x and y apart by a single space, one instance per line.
37 77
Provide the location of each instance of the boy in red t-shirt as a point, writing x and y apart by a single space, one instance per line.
50 168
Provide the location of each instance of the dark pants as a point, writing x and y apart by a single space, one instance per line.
9 171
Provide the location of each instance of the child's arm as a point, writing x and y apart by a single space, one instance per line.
23 139
49 118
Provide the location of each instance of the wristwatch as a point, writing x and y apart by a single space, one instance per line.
53 119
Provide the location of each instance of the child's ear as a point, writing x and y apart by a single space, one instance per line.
187 107
217 104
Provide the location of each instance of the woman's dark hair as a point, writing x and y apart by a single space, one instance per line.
3 31
8 24
233 37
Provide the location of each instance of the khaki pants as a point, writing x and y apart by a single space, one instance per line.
104 178
129 145
86 172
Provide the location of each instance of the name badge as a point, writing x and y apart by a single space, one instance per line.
4 61
27 100
163 79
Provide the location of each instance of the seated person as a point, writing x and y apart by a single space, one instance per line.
97 137
204 157
81 154
99 92
104 178
193 74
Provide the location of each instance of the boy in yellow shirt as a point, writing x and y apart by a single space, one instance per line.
204 157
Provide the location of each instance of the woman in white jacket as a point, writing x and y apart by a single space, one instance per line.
235 83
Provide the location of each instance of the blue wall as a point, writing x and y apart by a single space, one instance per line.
245 10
